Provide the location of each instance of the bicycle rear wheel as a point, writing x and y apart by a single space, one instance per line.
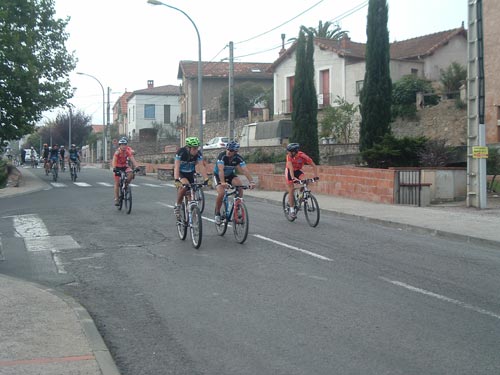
222 227
286 208
196 227
240 222
311 210
200 198
127 197
181 222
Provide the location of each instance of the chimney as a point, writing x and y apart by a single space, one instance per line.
283 50
151 83
344 41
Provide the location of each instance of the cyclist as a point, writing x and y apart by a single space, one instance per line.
54 155
45 156
186 160
295 160
120 161
62 152
33 157
228 162
74 155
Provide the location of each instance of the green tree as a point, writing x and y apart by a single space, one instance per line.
323 31
493 165
404 95
34 65
375 96
304 99
58 129
246 96
338 120
452 78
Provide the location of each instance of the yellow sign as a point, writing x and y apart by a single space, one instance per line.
480 152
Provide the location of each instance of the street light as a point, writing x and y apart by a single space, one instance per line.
200 106
105 145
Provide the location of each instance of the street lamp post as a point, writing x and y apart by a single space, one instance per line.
200 106
105 141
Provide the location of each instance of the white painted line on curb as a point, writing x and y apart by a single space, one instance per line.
442 298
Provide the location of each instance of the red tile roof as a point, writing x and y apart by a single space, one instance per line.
160 90
407 49
97 128
189 69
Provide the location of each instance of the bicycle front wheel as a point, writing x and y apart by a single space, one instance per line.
200 198
222 227
311 210
196 227
127 197
54 174
181 222
286 208
240 222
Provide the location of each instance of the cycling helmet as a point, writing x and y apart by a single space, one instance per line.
62 146
123 141
232 146
73 145
192 142
293 147
45 145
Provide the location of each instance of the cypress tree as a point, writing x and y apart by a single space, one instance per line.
375 99
305 102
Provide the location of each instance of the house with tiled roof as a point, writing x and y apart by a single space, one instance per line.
120 113
152 106
340 65
215 77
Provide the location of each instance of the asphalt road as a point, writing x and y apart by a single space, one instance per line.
347 297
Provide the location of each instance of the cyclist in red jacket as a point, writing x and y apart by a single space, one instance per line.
121 158
295 161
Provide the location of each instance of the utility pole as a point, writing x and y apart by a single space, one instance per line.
230 112
108 138
476 133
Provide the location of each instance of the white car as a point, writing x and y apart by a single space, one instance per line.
217 142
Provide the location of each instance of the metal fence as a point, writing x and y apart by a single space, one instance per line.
409 187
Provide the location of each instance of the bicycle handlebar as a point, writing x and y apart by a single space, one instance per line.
306 181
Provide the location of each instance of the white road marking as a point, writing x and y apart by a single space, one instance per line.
293 248
58 184
307 252
82 184
152 185
442 298
36 238
28 226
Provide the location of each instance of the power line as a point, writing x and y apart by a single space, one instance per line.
284 23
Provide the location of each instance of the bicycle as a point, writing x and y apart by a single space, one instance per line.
234 211
63 168
199 194
55 171
125 192
72 169
190 216
303 197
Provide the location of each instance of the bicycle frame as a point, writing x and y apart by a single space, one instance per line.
234 211
303 200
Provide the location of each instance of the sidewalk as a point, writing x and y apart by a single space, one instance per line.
45 332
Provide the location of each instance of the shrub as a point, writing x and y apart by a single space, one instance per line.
394 152
435 153
260 156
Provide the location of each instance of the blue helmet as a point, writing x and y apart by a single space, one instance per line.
232 146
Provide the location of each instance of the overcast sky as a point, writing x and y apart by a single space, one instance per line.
125 43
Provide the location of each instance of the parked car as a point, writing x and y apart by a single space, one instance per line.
217 142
